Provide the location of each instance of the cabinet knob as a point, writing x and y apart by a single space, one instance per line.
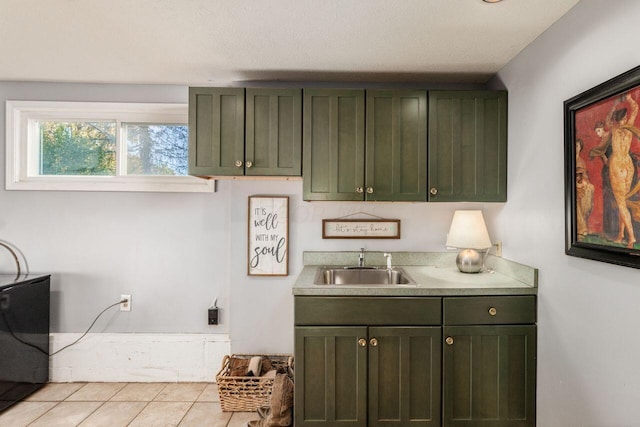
359 190
369 190
362 342
373 342
449 340
493 311
238 163
249 163
433 191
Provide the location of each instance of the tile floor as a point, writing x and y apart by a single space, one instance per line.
123 404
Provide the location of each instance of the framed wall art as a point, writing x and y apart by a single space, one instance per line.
360 228
602 165
268 233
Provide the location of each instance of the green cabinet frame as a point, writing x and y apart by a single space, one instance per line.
355 145
467 146
217 125
355 367
452 361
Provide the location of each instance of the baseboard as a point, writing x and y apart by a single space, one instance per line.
133 357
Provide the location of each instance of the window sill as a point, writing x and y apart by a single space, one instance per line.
166 184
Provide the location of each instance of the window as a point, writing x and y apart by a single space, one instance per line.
99 147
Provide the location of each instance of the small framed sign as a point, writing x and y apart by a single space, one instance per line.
360 228
268 236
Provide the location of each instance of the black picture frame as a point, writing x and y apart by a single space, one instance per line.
582 110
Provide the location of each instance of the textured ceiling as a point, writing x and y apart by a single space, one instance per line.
224 42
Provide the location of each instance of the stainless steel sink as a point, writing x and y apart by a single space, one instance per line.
362 276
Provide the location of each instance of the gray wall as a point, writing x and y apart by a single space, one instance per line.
166 250
588 314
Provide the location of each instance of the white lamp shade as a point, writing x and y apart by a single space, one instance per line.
468 231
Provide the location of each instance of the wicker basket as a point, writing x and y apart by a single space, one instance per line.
246 394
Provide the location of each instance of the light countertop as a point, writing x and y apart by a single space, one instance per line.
434 273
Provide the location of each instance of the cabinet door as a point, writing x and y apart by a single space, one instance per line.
273 132
330 376
489 376
404 376
216 131
396 159
333 144
468 146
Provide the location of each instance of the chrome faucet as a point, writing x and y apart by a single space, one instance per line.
388 257
361 258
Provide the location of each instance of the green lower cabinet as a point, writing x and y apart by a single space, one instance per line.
331 376
404 376
359 376
489 376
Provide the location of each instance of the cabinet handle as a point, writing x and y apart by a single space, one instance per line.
493 311
362 342
373 342
359 190
433 191
249 163
238 163
369 190
449 340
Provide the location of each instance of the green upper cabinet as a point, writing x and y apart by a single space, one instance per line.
333 142
217 129
396 145
467 146
273 132
390 164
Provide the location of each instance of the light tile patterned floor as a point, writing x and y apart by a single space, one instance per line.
123 404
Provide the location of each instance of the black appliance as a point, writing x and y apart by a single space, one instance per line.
24 336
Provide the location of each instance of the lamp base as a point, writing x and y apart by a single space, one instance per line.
469 261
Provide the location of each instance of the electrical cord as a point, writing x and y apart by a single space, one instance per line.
66 346
15 258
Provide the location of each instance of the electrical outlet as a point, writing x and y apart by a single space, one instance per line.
125 305
498 246
213 315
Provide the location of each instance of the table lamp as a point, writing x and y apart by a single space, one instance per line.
468 232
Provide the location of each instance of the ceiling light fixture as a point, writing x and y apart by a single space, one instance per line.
491 1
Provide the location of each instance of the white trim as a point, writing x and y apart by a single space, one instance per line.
135 357
20 168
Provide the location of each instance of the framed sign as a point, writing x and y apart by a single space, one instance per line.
268 236
602 165
360 229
